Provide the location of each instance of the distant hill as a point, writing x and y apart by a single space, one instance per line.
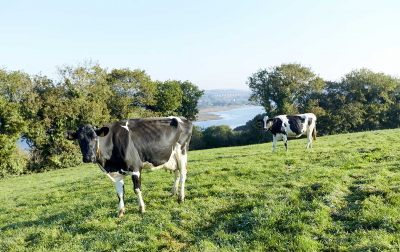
224 98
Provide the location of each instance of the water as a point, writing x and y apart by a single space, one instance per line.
233 118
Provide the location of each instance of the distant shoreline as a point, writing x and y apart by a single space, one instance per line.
204 114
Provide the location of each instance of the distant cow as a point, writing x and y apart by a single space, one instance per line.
284 126
127 147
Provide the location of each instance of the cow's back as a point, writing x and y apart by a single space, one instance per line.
155 138
296 125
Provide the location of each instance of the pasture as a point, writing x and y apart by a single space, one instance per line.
341 195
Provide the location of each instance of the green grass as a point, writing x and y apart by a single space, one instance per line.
342 195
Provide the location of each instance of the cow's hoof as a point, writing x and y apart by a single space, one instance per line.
142 210
180 200
121 213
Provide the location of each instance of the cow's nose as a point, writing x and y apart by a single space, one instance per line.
89 159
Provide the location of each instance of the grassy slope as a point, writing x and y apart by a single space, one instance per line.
342 195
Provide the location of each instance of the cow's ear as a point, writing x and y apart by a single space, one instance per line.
102 132
70 135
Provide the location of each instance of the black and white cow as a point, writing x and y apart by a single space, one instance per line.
127 147
284 126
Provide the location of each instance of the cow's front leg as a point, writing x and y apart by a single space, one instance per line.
176 183
137 180
181 197
274 143
181 157
119 185
309 136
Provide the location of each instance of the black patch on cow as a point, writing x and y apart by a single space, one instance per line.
136 182
174 122
296 123
277 126
309 121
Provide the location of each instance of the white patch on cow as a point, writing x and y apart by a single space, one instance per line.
126 125
177 118
115 176
135 173
171 164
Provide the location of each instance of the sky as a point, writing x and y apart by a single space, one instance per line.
213 44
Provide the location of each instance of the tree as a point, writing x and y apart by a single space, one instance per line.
13 87
196 142
131 92
284 89
190 97
52 107
362 100
168 97
218 136
375 91
252 132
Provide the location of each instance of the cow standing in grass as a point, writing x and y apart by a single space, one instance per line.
284 126
127 147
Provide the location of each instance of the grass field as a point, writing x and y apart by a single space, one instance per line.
342 195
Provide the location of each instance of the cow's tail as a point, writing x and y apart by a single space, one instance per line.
315 133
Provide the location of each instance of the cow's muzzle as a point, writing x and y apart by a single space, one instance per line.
89 159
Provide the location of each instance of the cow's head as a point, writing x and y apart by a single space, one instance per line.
267 123
87 137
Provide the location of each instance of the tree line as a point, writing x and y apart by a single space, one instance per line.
361 100
38 109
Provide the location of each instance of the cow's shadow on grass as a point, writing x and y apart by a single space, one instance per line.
233 219
60 220
42 221
351 214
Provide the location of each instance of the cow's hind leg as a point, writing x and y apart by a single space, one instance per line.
136 178
119 185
